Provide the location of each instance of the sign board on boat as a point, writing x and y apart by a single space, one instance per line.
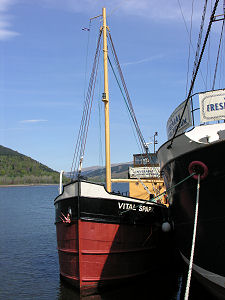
144 172
174 119
212 106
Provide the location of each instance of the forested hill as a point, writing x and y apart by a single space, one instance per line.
16 168
97 174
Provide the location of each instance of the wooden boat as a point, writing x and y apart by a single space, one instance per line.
105 238
188 157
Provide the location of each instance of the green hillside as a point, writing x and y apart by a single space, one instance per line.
118 171
16 168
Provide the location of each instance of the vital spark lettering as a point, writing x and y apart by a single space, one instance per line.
126 206
129 206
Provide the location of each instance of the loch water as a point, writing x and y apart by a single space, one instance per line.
29 261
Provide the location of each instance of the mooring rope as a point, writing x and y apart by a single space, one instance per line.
193 242
163 193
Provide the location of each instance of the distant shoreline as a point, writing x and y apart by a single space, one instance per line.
31 184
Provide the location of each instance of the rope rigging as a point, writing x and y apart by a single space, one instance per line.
100 128
199 39
124 98
82 135
218 54
131 110
129 105
196 71
189 48
86 60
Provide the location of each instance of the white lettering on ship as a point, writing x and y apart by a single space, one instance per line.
129 206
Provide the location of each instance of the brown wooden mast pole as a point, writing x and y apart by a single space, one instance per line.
105 99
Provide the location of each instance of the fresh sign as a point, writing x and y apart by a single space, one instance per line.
212 106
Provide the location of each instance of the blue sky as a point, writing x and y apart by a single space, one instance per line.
43 54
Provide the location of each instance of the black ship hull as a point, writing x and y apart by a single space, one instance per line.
209 262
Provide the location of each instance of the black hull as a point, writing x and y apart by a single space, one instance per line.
117 209
209 262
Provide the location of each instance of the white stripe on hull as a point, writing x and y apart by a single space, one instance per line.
196 138
215 278
96 191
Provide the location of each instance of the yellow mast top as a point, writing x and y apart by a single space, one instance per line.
105 99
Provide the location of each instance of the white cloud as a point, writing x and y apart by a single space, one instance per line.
149 59
33 121
6 34
5 4
157 10
5 20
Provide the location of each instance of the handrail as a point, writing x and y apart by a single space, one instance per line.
60 181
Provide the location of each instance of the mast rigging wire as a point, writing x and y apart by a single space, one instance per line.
131 110
100 124
199 39
81 140
221 78
128 103
131 119
209 72
82 135
185 23
88 120
87 51
125 100
196 71
218 54
189 48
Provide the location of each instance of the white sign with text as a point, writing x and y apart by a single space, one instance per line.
144 172
174 119
212 106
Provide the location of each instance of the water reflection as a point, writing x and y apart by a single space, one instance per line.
160 286
66 292
29 259
164 285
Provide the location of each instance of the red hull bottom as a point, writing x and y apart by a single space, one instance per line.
95 255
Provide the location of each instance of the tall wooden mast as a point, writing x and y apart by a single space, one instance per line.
105 99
